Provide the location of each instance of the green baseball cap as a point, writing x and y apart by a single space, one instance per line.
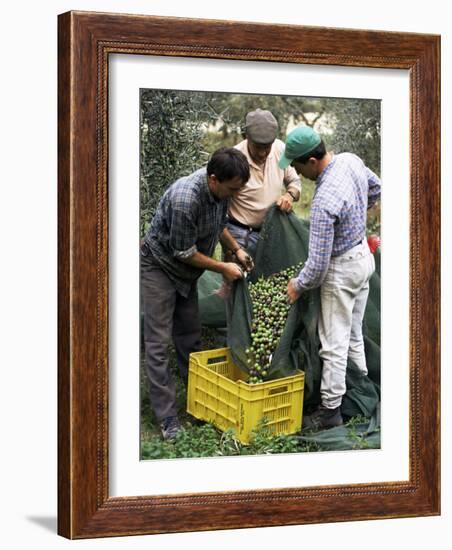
299 142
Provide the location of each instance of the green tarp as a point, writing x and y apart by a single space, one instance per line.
283 243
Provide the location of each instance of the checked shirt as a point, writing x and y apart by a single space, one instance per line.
344 191
188 219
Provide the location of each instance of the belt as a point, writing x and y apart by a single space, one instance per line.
232 221
348 249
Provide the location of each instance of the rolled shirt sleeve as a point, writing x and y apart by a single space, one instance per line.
183 233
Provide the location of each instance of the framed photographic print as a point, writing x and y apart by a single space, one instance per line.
145 101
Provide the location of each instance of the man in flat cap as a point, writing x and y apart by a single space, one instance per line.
339 260
268 183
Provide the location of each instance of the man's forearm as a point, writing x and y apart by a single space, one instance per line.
294 190
230 271
228 241
202 261
311 276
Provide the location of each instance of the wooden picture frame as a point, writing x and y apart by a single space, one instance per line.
85 42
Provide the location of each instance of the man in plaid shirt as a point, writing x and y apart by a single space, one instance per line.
189 221
339 260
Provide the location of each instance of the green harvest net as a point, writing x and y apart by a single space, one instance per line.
283 242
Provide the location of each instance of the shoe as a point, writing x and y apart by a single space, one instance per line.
170 427
323 418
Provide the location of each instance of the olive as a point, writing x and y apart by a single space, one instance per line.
269 313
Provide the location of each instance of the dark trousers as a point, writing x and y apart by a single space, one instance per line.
167 315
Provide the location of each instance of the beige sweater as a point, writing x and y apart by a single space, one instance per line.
266 184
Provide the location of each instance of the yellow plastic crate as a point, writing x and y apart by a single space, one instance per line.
218 393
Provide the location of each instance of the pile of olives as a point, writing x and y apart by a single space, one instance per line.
270 309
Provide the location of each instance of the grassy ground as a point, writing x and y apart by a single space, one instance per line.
200 439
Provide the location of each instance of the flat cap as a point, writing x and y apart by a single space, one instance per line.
261 126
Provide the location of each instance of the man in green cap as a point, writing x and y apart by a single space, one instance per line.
339 260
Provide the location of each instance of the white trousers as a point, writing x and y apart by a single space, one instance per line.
343 295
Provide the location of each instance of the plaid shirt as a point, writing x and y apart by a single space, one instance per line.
344 191
188 219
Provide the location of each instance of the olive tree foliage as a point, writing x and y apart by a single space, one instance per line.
355 125
228 113
347 125
181 129
172 127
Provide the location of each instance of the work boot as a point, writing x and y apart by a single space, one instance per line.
170 427
323 418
